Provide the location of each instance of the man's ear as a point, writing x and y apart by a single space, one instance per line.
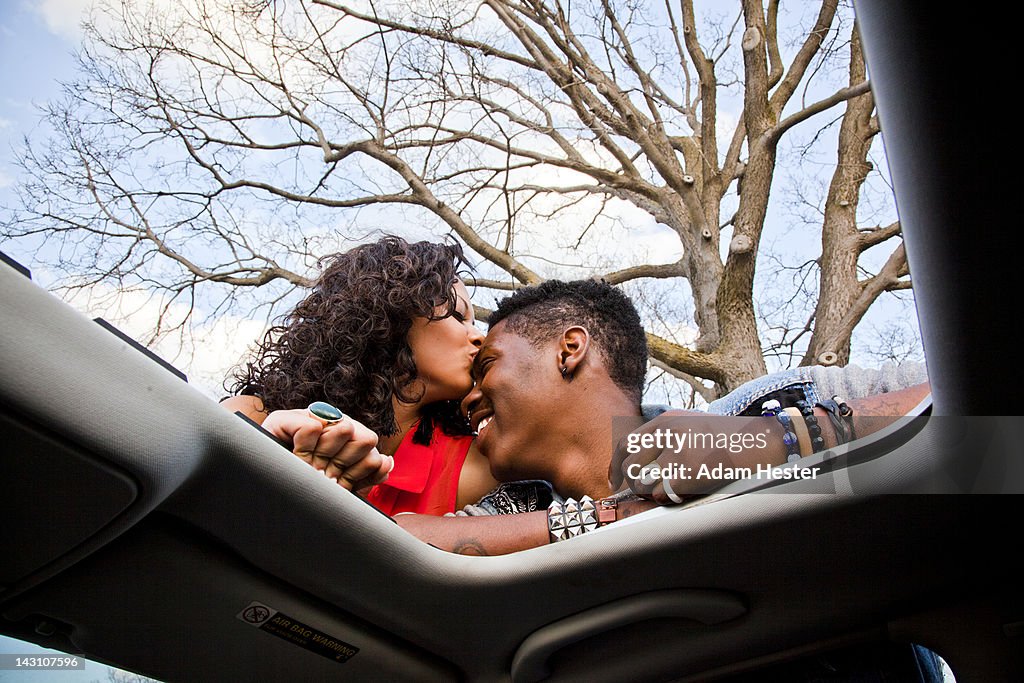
572 349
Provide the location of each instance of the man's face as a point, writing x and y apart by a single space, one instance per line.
516 390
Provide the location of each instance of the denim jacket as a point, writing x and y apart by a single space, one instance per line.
818 382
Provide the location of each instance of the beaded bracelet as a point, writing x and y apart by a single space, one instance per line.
773 408
813 428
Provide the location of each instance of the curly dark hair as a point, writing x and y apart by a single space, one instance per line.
346 344
542 310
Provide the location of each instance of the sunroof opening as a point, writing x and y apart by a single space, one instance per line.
244 187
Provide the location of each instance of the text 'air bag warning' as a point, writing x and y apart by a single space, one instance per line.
295 632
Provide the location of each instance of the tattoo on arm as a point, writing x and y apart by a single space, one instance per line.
893 404
469 546
880 407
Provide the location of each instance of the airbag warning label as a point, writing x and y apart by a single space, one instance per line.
268 619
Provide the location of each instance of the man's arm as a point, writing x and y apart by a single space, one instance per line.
490 535
892 405
493 534
699 465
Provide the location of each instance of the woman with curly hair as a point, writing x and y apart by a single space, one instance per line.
387 335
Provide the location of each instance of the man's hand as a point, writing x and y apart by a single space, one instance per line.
683 453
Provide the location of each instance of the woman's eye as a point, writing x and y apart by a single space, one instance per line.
458 316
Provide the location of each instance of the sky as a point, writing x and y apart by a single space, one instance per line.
37 43
37 39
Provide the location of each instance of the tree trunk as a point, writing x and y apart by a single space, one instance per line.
839 287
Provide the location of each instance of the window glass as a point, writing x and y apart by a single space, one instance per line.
28 662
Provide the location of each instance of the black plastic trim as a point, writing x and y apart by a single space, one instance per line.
125 338
14 264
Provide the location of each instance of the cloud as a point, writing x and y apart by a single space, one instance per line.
6 180
206 354
64 17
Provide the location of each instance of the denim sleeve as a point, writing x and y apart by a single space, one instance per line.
856 382
755 391
819 382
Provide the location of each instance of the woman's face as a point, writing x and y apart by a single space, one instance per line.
444 350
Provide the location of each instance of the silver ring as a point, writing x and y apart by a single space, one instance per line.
325 412
672 495
650 474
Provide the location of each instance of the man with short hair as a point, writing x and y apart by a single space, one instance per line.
560 362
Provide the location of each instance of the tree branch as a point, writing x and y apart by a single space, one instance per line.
683 359
874 236
780 128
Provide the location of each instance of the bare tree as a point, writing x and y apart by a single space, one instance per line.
232 142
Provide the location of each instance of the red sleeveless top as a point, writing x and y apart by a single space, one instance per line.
425 478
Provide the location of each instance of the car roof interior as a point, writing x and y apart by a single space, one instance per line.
149 528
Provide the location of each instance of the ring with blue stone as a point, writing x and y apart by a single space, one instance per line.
325 412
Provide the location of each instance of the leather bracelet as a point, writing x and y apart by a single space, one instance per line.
571 518
841 416
846 413
813 428
803 437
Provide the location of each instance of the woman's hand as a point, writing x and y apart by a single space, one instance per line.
345 451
